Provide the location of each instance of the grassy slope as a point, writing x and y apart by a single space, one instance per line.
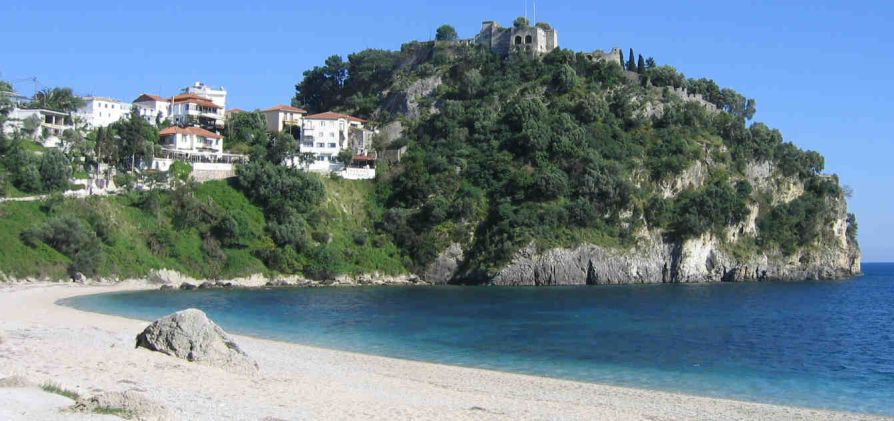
127 253
345 216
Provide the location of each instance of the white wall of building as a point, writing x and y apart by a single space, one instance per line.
150 109
324 138
192 143
217 96
181 111
101 112
277 120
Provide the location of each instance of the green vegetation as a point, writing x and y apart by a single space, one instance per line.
211 230
446 33
56 99
117 412
561 150
59 390
557 150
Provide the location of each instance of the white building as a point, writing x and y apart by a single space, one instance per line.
284 118
326 134
101 112
153 108
201 148
187 109
50 125
217 96
194 140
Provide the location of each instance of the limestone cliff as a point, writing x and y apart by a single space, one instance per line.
654 259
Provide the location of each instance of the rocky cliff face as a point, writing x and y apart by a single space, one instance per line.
699 260
704 259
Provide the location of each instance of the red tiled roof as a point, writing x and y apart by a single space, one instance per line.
194 99
198 131
286 108
364 158
149 97
334 116
235 110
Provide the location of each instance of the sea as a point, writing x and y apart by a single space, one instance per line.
826 344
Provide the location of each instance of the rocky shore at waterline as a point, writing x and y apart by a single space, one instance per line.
172 280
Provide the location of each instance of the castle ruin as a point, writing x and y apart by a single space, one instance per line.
538 39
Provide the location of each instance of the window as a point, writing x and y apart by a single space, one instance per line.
321 145
331 145
528 39
341 125
518 40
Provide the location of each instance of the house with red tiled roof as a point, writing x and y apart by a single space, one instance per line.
191 109
284 118
191 140
153 108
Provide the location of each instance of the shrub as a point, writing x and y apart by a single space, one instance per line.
72 237
55 170
360 238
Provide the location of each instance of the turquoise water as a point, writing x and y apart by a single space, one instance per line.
816 344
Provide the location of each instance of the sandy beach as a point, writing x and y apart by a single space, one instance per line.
91 353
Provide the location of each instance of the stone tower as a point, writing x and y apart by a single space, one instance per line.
537 40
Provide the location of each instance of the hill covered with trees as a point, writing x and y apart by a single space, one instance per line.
563 168
511 157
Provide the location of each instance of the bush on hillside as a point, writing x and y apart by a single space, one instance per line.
72 237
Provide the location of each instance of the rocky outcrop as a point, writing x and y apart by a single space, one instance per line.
690 262
190 335
702 259
587 264
406 102
445 266
708 258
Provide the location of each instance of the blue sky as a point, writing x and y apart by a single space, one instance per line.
820 70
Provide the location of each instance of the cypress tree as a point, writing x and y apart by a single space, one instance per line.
641 65
631 63
621 53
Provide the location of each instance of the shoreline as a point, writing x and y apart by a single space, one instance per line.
92 353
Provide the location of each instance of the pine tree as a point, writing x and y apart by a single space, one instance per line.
631 63
641 65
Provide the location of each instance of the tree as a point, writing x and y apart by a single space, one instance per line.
650 63
247 128
631 62
521 22
621 56
566 79
55 170
641 65
446 33
345 156
136 141
72 237
7 94
180 171
57 99
281 147
30 125
321 88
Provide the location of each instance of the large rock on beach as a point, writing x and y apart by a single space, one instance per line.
190 335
